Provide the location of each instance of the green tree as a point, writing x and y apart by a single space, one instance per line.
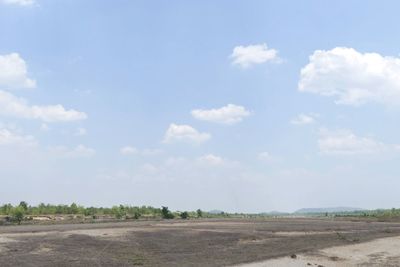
184 215
137 215
199 213
18 214
166 213
118 212
24 205
73 208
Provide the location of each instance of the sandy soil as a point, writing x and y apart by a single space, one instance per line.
379 252
219 242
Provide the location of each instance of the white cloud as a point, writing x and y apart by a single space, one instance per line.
79 151
11 105
302 119
18 2
80 132
14 73
229 114
128 150
211 159
345 142
184 133
246 56
8 137
353 78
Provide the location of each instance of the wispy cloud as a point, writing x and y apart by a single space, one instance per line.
23 3
345 142
303 119
13 106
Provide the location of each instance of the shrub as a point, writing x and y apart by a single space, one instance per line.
184 215
199 213
17 214
24 205
137 215
166 213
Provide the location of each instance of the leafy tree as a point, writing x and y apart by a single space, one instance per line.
137 215
166 213
18 214
24 205
118 212
73 208
184 215
6 209
91 211
199 213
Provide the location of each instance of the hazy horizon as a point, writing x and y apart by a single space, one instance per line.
241 106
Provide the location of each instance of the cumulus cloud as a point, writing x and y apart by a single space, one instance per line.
18 2
247 56
353 78
8 138
11 105
229 114
303 119
186 133
14 72
79 151
345 142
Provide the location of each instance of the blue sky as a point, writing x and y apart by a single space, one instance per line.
235 105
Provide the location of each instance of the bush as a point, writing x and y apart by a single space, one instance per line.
24 205
184 215
18 214
118 211
137 215
199 213
166 213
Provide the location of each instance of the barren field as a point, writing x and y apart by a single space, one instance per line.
218 242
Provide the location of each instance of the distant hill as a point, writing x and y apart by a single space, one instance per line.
329 210
216 212
274 213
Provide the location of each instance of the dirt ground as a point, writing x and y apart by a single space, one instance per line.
218 242
379 252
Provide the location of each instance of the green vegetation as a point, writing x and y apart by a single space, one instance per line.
166 213
184 215
18 214
199 213
23 212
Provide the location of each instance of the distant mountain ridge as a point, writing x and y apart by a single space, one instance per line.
216 211
321 210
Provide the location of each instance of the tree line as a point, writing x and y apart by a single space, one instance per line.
23 211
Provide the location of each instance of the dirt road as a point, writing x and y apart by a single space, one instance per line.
182 243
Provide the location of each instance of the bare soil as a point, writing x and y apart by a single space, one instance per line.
217 242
